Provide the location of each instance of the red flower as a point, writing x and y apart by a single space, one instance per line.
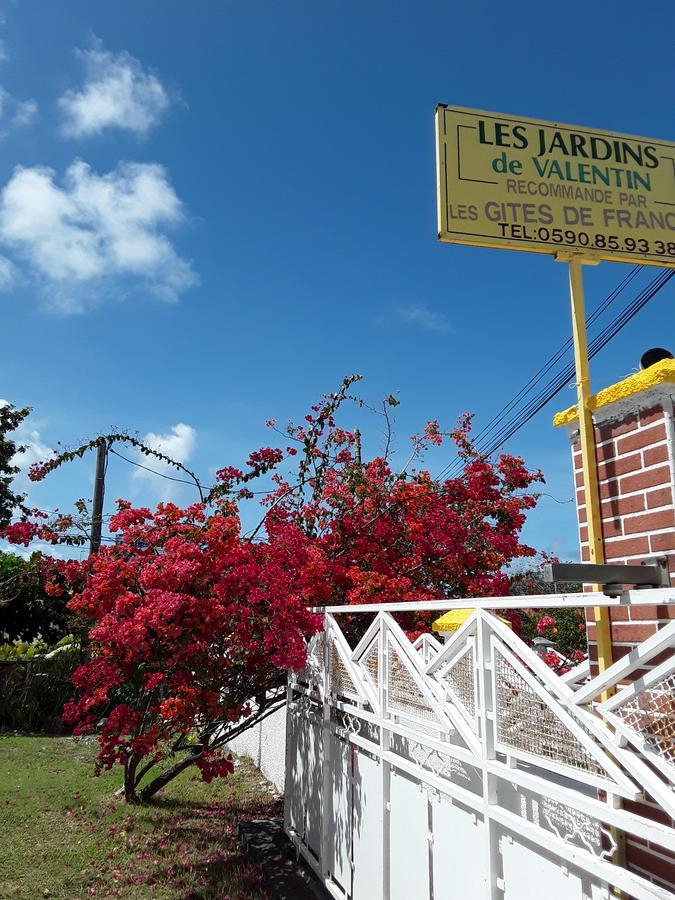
20 532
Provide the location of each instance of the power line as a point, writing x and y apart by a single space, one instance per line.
205 487
555 385
551 497
160 474
551 362
481 437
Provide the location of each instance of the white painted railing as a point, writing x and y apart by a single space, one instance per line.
469 769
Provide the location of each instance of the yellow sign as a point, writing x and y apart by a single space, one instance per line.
524 184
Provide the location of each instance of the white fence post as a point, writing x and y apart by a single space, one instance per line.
487 729
385 770
325 799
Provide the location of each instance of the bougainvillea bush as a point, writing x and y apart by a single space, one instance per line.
563 629
193 623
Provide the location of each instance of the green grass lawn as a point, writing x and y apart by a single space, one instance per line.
64 834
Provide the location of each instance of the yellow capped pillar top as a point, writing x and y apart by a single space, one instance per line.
661 373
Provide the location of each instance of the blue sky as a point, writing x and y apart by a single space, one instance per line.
221 208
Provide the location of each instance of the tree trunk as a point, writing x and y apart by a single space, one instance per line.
168 775
130 780
133 776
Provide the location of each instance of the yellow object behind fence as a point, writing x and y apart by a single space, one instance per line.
453 620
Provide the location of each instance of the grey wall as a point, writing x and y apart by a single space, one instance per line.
265 744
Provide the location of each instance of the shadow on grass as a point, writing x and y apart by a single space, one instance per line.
66 831
189 847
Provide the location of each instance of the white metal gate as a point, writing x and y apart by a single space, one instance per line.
469 769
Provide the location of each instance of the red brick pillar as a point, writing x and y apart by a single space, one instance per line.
635 439
636 470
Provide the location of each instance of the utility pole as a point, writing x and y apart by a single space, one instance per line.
99 492
357 443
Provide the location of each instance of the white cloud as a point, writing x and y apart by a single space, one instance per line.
117 93
7 273
35 450
179 444
33 547
95 232
424 318
25 112
17 113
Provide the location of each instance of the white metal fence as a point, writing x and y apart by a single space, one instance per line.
469 769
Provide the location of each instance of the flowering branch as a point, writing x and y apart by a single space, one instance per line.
193 624
39 470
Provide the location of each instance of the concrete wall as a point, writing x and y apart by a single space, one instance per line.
265 744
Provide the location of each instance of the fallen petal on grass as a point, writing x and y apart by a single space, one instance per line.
183 844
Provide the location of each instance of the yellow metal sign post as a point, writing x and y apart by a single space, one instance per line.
580 194
596 549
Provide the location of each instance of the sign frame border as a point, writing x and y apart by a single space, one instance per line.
591 255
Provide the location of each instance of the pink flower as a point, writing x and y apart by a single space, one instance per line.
545 623
37 471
